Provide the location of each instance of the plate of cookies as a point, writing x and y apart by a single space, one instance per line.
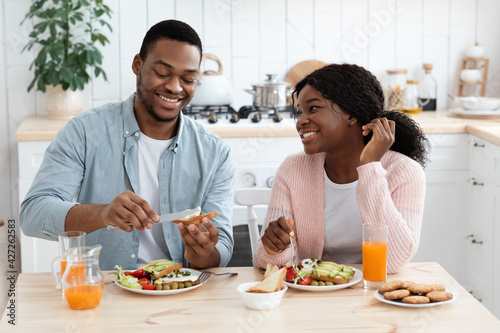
414 295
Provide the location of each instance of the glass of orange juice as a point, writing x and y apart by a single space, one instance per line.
374 255
68 240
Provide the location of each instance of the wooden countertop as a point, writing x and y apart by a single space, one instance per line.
42 128
217 307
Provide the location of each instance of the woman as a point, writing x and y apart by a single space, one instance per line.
360 165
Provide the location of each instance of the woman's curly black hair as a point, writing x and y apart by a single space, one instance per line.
358 93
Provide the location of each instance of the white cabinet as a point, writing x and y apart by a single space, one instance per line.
445 211
36 254
483 222
495 192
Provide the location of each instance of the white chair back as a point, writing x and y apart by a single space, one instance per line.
250 197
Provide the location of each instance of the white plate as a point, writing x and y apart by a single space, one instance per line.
358 276
476 114
164 292
381 298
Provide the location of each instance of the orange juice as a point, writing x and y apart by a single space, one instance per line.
63 266
76 274
84 296
374 261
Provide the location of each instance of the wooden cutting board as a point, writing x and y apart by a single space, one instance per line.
300 70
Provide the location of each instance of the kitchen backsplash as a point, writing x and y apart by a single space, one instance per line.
253 38
256 37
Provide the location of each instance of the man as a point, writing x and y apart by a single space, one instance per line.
134 160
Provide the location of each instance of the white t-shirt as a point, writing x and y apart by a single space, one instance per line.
152 241
343 224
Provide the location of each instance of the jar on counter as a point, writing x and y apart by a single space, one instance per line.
396 89
411 98
427 89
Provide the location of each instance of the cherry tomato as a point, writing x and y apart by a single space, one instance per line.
149 286
143 281
305 282
138 273
290 274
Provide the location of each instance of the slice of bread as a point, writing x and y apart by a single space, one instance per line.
270 269
270 284
168 270
195 219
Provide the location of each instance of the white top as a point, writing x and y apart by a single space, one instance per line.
343 224
152 241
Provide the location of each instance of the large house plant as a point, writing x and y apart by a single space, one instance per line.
65 34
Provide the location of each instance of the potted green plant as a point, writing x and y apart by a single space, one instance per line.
65 34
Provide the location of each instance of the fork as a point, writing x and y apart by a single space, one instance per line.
205 275
291 245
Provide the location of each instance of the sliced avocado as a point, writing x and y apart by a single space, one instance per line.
322 271
305 272
159 268
331 265
334 274
345 275
165 262
146 267
347 269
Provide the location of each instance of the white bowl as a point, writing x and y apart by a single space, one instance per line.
470 75
260 301
479 103
475 52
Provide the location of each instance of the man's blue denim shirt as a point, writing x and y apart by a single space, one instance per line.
94 158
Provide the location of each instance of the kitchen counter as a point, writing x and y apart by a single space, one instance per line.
217 307
42 128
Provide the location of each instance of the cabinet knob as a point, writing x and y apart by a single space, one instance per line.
474 143
473 240
475 182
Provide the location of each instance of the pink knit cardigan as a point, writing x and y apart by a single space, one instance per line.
390 192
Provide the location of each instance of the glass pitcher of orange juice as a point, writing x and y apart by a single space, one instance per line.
82 281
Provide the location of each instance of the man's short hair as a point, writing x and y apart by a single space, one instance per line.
170 29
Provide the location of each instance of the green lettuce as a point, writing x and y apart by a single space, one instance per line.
127 280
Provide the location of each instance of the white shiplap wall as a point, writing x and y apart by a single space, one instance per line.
255 37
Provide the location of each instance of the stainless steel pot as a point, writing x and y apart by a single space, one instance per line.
271 93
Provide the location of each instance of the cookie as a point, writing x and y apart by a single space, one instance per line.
407 284
420 288
439 296
416 300
390 286
396 294
438 287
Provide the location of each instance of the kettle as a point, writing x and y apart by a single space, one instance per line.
212 88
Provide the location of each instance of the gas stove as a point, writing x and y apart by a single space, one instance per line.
247 115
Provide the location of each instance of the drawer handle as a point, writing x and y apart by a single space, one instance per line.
473 240
474 143
474 182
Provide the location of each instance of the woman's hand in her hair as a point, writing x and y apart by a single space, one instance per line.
382 139
276 238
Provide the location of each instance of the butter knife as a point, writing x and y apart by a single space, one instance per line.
168 217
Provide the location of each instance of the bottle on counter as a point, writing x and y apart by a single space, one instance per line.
395 89
427 90
411 98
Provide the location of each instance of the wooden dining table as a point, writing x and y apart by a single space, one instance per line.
216 306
